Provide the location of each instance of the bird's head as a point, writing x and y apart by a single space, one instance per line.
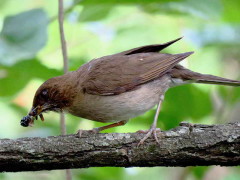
53 95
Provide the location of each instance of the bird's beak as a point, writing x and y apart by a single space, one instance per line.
34 113
37 111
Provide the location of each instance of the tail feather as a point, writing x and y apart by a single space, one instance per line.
209 79
188 75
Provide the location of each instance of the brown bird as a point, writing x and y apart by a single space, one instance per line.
118 87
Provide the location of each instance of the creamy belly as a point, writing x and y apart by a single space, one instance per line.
123 106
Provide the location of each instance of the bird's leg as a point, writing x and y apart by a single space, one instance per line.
120 123
153 130
97 130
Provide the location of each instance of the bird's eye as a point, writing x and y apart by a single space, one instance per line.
44 93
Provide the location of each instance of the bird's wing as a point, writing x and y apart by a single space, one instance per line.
148 48
116 74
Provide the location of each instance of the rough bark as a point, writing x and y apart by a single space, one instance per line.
182 146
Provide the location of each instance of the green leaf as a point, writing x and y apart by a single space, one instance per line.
184 102
119 2
22 36
231 10
205 9
17 76
199 172
2 4
230 94
106 173
94 12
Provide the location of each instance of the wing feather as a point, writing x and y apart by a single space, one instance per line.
116 74
149 48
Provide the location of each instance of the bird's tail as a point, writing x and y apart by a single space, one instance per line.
185 74
209 79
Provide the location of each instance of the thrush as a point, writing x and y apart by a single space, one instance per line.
118 87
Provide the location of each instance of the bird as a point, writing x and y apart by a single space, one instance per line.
118 87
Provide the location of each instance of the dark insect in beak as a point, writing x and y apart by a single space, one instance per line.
26 121
29 119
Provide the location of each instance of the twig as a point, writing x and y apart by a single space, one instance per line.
65 67
66 11
63 41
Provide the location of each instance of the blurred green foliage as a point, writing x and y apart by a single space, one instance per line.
30 54
22 37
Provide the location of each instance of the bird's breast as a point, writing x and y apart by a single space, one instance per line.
123 106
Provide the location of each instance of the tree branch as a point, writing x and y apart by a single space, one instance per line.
182 146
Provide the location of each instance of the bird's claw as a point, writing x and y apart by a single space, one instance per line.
152 131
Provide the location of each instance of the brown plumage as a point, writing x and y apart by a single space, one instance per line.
118 87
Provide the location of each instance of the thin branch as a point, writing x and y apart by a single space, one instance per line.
66 11
200 145
61 29
65 67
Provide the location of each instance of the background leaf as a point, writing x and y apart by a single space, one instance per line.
17 76
22 36
94 12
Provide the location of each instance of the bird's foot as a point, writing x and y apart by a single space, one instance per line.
152 131
92 131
